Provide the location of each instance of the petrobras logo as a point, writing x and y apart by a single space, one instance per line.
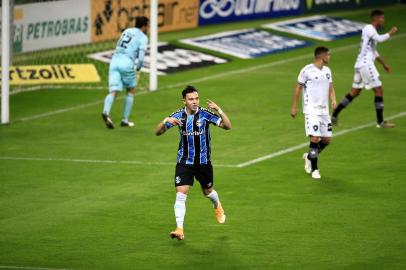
192 133
212 11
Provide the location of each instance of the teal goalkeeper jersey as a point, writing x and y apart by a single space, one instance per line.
132 44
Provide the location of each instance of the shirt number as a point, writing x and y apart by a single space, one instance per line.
123 42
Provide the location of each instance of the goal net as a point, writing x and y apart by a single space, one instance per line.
68 44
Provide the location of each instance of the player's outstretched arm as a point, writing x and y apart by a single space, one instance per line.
296 94
161 128
385 37
225 121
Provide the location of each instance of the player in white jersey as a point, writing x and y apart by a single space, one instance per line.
366 75
317 84
126 62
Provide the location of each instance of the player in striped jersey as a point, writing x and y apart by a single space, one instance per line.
193 159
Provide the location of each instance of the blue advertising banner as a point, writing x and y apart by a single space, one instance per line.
319 27
220 11
246 43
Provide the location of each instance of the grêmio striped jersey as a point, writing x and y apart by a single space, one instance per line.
194 145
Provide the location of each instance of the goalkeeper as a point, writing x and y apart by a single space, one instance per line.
122 74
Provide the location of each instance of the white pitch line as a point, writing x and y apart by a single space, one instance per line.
302 145
52 87
30 268
241 165
51 113
207 78
128 162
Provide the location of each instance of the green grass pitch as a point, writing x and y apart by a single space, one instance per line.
56 213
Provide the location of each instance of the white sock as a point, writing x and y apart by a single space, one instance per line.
180 209
214 198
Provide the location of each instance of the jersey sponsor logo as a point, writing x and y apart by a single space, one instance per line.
192 133
217 11
319 27
42 74
171 59
246 43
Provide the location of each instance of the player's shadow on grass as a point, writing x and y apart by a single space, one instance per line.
336 185
216 255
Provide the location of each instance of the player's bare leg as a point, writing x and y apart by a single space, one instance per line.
180 212
379 109
344 103
212 195
128 105
108 103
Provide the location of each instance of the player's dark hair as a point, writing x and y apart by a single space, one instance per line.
320 50
141 21
376 12
188 89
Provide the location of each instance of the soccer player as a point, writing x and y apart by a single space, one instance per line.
130 48
317 84
193 159
366 75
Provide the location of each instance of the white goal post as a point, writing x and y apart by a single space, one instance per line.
5 61
153 74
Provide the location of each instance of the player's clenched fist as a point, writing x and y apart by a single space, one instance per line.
393 30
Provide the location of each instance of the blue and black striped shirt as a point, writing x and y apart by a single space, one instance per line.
194 145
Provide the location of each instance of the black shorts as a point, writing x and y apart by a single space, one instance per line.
185 174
